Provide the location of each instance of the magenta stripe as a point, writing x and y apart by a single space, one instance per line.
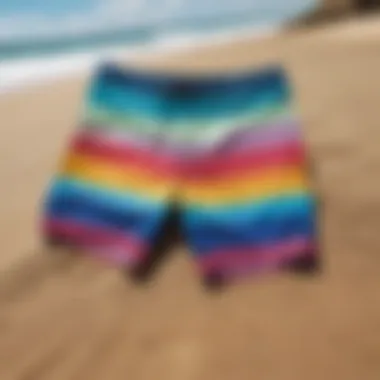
256 259
114 246
266 267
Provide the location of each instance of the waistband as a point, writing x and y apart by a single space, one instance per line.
161 96
256 79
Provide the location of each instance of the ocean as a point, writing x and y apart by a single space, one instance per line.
50 52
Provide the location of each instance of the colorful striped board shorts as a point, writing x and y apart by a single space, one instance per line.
226 149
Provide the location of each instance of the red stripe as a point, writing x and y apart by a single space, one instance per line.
292 154
121 153
100 241
256 259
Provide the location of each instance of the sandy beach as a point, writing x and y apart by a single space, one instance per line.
66 317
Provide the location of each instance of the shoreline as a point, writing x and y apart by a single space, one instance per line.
17 74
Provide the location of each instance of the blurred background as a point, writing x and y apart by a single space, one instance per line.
29 28
42 40
68 35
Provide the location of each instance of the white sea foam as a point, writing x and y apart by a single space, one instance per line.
16 74
35 23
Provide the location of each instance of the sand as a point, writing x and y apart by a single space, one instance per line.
65 317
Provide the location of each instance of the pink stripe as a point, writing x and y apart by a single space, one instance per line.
287 154
256 138
255 259
114 246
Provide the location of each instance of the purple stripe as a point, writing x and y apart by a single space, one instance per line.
231 263
113 246
267 267
251 137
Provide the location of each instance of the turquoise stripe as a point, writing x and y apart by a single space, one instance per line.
139 104
125 100
67 187
250 214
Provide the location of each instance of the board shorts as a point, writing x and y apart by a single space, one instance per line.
227 150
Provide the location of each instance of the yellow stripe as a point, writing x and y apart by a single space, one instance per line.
247 175
128 168
209 193
227 192
128 179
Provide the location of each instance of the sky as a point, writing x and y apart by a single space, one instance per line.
31 18
57 7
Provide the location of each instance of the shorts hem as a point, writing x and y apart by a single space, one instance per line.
111 248
253 262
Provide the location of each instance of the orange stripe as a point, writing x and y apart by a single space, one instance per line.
121 153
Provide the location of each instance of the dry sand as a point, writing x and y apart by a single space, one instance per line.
67 318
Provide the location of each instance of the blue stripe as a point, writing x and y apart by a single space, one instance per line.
206 238
65 187
225 105
140 223
251 213
81 202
